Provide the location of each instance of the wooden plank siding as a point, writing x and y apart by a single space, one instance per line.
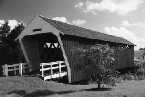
69 44
123 56
126 56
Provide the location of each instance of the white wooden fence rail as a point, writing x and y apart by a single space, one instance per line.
51 67
15 67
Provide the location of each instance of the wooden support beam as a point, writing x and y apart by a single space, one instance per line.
65 58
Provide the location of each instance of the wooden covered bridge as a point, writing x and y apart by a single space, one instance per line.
49 43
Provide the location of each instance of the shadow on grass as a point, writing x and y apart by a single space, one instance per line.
19 92
65 92
39 93
99 89
46 93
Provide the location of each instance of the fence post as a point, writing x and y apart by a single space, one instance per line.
59 63
6 70
3 69
21 69
15 70
42 70
51 70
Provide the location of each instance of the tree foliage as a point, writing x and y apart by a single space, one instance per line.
16 31
97 61
8 36
8 45
102 57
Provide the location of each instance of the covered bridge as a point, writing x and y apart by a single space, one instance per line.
47 40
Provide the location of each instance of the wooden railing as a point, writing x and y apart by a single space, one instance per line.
21 67
51 67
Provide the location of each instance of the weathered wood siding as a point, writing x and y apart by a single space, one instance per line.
77 73
123 56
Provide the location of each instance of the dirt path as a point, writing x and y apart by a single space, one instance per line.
35 87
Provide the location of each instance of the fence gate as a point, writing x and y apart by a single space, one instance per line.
53 70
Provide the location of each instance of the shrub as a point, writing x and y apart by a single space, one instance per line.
140 73
98 61
128 76
102 58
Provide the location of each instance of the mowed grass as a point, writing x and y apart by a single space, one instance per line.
35 87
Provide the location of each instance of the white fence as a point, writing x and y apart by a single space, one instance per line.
51 67
21 67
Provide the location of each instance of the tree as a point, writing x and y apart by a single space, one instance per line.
4 31
5 28
141 48
8 43
16 31
96 61
102 58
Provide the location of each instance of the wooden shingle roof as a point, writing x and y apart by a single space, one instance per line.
73 30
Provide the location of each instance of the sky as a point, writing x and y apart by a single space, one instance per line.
123 18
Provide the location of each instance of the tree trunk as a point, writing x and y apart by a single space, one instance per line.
99 85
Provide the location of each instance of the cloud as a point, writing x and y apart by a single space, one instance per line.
79 5
121 7
74 22
62 19
2 22
129 24
126 23
12 24
127 34
79 22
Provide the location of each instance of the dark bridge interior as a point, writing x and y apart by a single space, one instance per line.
49 48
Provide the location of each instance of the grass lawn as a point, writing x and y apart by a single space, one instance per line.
35 87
